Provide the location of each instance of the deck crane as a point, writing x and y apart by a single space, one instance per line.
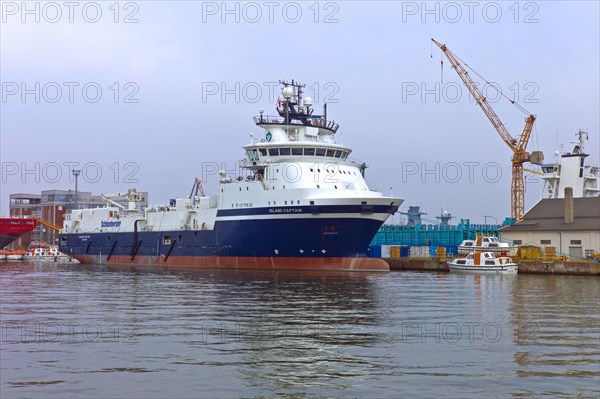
518 147
132 195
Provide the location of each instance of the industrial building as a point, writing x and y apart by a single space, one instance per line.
570 225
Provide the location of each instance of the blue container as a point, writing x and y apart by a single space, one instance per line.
452 250
433 251
405 251
375 251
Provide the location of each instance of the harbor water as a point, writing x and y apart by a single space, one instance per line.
74 331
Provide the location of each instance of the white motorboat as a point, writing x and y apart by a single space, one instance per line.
487 244
48 254
483 263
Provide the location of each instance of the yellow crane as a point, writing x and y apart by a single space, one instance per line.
48 224
518 147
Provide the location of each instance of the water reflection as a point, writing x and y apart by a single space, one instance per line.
561 341
181 333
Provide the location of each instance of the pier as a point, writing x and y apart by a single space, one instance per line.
525 267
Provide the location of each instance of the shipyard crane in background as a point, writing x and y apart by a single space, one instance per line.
518 146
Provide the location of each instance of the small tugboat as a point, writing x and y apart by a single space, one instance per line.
488 244
483 263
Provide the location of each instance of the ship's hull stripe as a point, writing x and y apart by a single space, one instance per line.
374 216
311 209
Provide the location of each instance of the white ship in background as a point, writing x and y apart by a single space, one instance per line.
571 171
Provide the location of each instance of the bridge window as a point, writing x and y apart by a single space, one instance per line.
330 153
263 151
274 152
338 154
320 152
252 155
309 151
284 151
296 151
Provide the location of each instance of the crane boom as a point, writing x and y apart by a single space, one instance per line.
518 147
477 95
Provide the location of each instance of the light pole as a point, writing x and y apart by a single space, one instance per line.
76 173
488 216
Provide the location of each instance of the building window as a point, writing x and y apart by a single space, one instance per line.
575 242
545 242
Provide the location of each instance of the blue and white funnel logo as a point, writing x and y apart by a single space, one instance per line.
269 136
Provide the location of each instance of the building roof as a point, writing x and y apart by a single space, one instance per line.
549 215
25 195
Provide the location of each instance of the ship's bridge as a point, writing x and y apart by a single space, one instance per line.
264 153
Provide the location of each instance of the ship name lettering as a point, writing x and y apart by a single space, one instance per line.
115 223
285 210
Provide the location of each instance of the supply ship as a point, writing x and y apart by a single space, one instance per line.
302 204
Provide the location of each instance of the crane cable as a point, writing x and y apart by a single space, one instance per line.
513 102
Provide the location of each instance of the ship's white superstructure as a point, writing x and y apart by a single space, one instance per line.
571 171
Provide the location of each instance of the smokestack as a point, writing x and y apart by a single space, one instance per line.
569 210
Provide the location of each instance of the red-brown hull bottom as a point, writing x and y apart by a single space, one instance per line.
219 262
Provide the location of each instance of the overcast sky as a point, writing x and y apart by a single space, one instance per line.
180 81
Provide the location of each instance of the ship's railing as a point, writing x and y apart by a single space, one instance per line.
314 122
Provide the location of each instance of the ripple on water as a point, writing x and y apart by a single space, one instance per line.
78 331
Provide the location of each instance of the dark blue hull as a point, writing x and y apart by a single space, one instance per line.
298 238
